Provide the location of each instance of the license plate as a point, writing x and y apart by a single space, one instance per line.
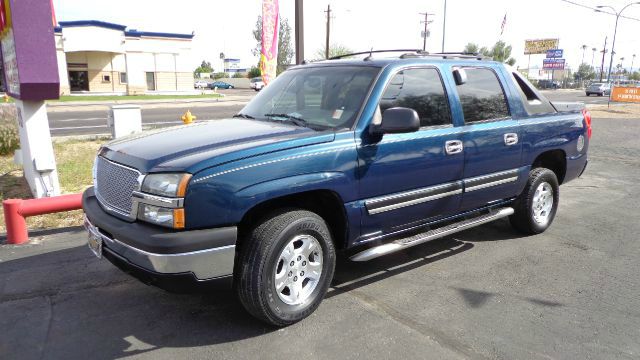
95 242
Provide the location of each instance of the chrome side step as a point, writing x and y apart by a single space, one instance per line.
422 238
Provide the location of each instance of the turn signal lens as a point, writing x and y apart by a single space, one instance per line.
178 218
182 185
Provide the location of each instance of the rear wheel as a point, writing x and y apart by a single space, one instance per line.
536 206
286 267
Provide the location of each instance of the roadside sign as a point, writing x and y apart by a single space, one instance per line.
553 64
540 46
554 53
625 94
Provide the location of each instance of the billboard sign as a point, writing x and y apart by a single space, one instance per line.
540 46
625 94
553 64
554 53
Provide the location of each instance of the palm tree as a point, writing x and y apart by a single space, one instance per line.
633 58
584 47
593 56
622 62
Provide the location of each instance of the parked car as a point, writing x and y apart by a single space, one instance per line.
220 85
599 89
548 84
256 83
362 157
200 84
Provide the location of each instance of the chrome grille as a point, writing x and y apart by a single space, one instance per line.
114 185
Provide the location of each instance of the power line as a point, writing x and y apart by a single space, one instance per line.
598 10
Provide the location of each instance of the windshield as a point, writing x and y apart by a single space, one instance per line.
596 85
321 98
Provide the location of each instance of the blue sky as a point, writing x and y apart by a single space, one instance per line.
225 26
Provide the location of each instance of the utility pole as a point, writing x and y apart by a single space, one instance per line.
326 50
604 51
299 14
426 32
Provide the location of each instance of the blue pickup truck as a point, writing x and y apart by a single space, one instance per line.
361 157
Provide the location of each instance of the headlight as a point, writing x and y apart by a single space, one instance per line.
173 218
171 185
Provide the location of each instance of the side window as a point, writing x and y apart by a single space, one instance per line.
533 102
422 91
482 97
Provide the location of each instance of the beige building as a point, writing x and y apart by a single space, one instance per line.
100 57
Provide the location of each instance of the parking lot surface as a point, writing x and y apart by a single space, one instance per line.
570 293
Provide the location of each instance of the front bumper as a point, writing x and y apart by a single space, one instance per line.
158 254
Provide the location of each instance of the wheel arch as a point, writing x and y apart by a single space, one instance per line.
554 160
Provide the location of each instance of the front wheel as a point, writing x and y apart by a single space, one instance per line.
285 267
536 206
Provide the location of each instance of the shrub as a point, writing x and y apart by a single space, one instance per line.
9 135
254 72
239 75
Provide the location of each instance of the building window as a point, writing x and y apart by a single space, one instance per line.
123 78
106 78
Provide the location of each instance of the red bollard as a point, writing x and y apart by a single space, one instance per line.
16 210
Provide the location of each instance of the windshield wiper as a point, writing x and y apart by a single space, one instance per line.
293 119
243 116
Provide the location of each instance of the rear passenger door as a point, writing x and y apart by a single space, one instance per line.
492 146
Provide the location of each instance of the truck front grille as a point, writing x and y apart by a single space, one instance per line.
114 185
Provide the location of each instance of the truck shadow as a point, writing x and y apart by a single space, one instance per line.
72 305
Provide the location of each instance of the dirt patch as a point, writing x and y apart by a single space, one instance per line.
615 111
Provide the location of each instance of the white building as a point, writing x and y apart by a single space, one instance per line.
100 57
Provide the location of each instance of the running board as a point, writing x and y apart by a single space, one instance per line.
422 238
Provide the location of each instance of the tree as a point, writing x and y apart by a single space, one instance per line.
585 72
253 72
285 50
635 76
205 67
334 50
499 52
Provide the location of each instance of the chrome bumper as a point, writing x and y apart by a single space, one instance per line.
204 264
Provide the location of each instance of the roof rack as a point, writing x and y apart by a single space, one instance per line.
415 53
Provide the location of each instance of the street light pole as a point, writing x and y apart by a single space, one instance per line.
615 30
444 23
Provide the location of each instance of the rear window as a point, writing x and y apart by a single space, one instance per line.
534 103
482 97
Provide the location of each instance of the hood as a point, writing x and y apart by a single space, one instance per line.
194 147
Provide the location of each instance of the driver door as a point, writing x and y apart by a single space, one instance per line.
406 179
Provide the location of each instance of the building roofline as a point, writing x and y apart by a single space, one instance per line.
112 26
97 23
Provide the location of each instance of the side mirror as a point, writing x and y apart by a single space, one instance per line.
397 120
460 76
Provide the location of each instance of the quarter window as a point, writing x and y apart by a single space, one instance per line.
421 90
482 97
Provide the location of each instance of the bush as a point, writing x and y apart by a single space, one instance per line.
254 72
9 135
218 75
239 75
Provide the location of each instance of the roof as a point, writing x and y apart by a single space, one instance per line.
123 28
383 61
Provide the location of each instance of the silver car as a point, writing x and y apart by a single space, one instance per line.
599 89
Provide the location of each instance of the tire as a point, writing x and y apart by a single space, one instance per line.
266 282
534 215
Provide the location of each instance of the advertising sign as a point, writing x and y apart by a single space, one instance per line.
540 46
28 49
269 52
553 64
625 94
554 53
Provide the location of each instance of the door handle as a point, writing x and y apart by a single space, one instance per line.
453 147
510 139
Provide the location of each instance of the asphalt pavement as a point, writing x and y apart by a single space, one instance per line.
486 293
566 95
90 118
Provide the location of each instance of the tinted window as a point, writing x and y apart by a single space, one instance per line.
533 101
421 90
482 97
